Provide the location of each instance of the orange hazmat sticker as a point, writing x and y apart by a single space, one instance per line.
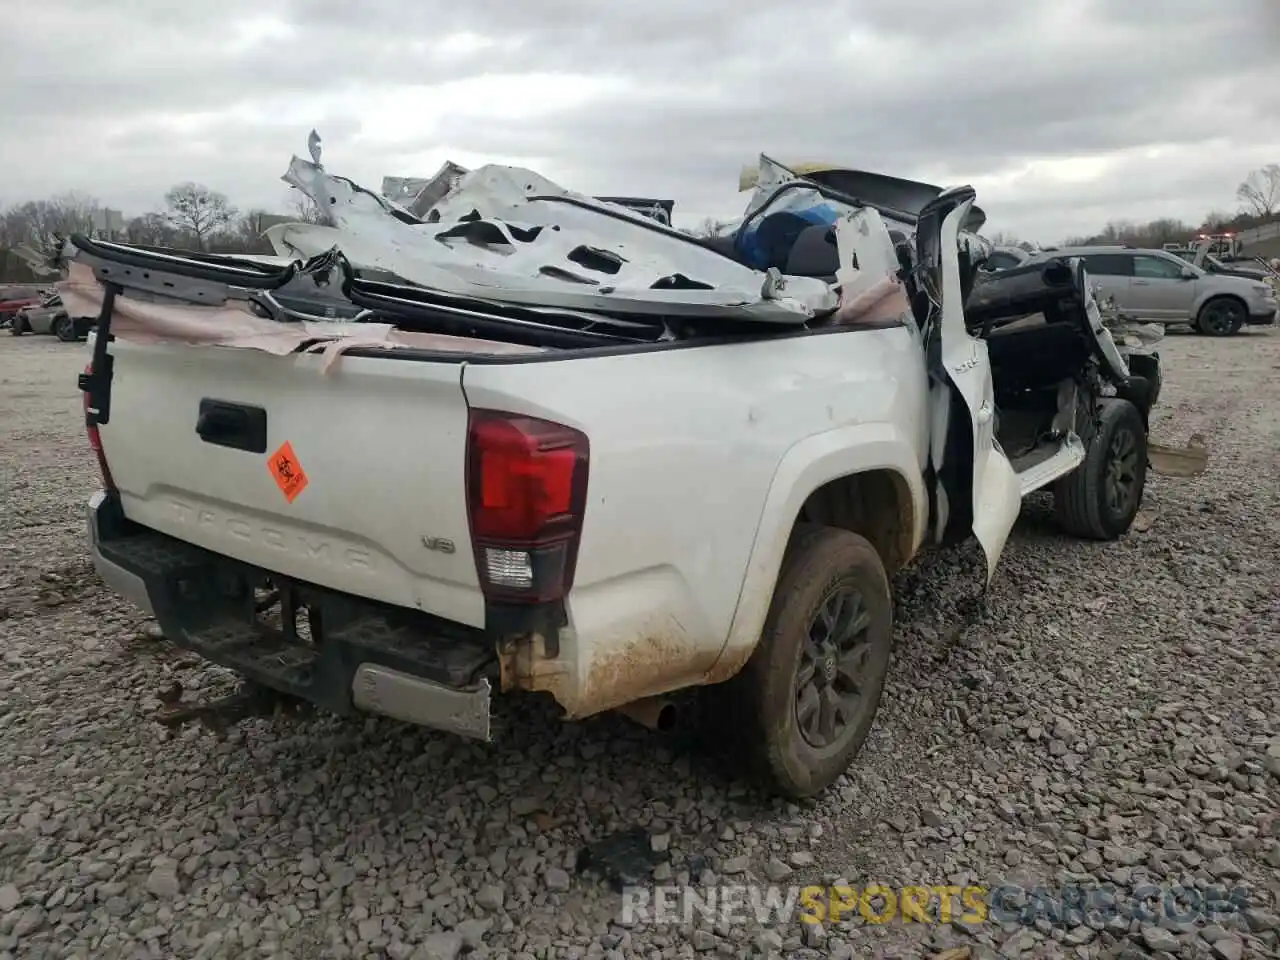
288 472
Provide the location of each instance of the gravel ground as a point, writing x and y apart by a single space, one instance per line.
1112 712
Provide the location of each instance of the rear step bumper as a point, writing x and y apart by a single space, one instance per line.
342 653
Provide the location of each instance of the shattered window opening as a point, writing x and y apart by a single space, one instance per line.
678 281
593 258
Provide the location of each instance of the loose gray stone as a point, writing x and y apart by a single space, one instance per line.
776 870
703 941
556 879
1157 938
491 897
1224 869
439 946
162 883
29 921
473 931
1064 729
1260 921
1124 856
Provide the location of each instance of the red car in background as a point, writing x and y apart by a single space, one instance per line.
13 297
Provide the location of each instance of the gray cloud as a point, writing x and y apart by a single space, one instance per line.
663 98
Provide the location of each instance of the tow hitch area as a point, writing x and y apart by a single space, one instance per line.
1189 461
222 713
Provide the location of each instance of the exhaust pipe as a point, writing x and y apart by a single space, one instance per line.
656 713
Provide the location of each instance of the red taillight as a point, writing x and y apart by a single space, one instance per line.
95 440
526 493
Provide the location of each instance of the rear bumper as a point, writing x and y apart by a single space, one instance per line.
124 582
339 652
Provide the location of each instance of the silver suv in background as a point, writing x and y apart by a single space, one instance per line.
1156 286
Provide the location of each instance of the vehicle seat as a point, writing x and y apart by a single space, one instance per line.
1032 319
776 236
814 253
993 299
1036 354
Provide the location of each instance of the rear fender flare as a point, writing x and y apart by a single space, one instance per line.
808 465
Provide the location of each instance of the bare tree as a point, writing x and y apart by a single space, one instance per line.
1215 220
1117 231
1260 191
304 209
710 227
1165 230
198 211
244 235
38 222
1003 238
152 230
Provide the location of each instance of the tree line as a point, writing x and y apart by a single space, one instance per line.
198 218
194 218
1258 195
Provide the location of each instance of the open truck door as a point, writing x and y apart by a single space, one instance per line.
976 487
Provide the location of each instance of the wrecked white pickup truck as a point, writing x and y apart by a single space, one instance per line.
568 449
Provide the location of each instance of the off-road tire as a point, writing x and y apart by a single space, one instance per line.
1221 307
759 704
1080 499
16 327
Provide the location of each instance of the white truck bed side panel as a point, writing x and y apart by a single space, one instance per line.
685 445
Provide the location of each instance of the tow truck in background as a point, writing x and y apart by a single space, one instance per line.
1202 255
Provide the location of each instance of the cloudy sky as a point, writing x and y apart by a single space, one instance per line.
1063 113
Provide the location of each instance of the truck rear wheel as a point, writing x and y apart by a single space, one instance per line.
1099 499
804 703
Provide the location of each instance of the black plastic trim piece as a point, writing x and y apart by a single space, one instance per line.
96 384
618 350
239 426
394 300
248 274
519 620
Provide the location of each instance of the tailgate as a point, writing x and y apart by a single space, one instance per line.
381 443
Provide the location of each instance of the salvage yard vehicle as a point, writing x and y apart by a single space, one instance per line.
1256 269
573 451
50 317
1003 258
1157 286
14 298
